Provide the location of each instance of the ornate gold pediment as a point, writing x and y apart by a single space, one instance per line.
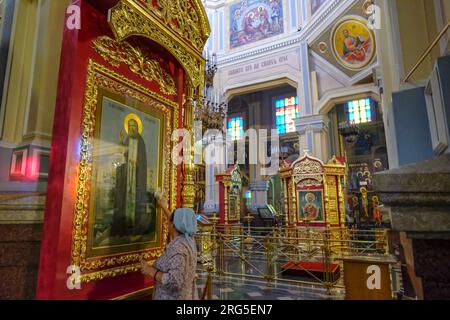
309 170
308 165
185 17
180 26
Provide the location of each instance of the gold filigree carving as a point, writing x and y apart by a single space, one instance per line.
311 182
308 166
309 170
182 17
128 20
115 53
99 77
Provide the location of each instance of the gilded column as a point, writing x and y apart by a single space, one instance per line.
293 210
227 185
188 185
286 199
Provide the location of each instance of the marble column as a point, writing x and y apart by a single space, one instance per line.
419 199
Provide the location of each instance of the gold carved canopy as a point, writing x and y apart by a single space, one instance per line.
180 26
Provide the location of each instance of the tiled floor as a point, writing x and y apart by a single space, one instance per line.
233 288
251 288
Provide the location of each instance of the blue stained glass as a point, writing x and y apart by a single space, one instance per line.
236 127
286 110
351 116
360 111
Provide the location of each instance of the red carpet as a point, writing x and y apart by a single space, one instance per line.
306 268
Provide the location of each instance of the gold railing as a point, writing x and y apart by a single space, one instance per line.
427 52
262 252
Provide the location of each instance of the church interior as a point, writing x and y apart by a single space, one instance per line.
310 137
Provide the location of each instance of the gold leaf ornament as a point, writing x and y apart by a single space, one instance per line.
115 53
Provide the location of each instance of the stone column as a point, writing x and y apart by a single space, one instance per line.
304 91
211 190
259 190
315 130
419 199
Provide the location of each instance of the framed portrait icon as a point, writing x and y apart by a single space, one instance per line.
310 206
125 159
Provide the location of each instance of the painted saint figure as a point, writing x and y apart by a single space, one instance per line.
311 210
275 15
264 20
355 48
132 215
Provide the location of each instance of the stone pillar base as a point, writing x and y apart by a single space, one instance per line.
419 198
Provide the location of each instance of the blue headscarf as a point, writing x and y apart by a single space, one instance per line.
185 221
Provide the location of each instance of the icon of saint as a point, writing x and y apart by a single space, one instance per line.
311 210
131 214
355 48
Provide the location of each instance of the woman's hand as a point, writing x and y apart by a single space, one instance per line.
162 202
148 270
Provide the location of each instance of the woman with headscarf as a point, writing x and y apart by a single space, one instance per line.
174 272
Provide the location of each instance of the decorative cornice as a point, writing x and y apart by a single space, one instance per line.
259 186
266 49
316 123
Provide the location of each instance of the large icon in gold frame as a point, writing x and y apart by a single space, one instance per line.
353 43
98 260
127 171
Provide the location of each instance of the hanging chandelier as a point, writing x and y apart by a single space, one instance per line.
350 131
211 108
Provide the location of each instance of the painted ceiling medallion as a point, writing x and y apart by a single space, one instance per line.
353 43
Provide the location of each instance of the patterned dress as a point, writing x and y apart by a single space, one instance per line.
178 263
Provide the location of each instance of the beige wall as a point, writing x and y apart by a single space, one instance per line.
446 10
408 27
417 27
36 49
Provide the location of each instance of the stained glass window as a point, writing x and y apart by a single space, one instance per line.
236 127
360 111
286 112
248 197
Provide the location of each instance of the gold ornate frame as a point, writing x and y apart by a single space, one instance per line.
152 109
101 78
